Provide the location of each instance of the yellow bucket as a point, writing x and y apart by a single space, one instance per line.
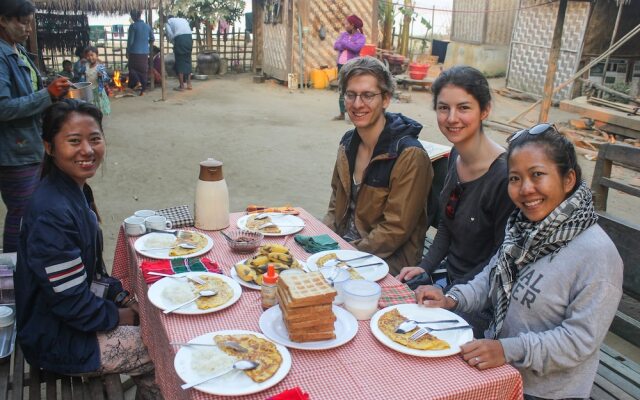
319 79
332 73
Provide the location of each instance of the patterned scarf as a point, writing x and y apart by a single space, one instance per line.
526 241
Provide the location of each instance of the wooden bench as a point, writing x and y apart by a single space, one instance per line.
615 371
30 383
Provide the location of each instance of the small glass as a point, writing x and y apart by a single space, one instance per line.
361 298
339 277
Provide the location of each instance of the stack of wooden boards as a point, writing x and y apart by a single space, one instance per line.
306 304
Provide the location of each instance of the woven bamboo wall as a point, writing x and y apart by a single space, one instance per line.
277 37
500 21
468 21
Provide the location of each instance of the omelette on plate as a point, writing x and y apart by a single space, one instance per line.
260 350
225 292
332 256
194 238
254 224
390 321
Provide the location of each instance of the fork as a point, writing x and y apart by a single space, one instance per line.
193 278
424 330
338 260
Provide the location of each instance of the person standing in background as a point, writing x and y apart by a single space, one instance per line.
22 99
179 33
348 45
139 39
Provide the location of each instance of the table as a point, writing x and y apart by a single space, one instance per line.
361 369
408 83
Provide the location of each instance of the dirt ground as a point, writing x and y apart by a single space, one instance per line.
278 146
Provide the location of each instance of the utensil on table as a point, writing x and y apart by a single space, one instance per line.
227 236
227 343
194 278
242 365
181 245
175 232
338 260
270 224
203 293
349 266
424 330
410 324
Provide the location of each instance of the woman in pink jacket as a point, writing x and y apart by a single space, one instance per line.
348 45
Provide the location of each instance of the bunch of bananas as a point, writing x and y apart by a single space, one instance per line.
252 269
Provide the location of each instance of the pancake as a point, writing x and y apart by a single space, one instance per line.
195 238
390 321
260 350
254 224
225 292
353 273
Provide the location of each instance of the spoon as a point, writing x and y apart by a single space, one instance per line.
176 232
227 236
242 365
409 325
192 278
181 245
73 85
270 224
203 293
227 343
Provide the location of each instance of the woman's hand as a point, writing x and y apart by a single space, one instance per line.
59 88
432 296
408 273
483 353
127 316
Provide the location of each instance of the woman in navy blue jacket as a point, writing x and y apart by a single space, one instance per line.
62 325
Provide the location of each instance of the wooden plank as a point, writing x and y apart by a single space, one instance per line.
5 366
623 187
626 327
621 369
618 130
95 388
626 236
18 373
580 106
610 351
605 390
113 386
65 387
622 154
618 381
34 383
77 388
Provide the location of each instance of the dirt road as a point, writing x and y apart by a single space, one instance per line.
278 146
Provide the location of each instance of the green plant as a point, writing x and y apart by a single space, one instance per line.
210 11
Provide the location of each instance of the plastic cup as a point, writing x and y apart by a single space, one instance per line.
361 298
340 276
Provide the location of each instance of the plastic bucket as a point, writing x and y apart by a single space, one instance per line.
332 73
368 50
319 79
418 71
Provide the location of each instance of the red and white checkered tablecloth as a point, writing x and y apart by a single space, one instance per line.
361 369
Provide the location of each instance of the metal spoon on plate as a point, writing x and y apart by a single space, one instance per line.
203 293
409 325
242 365
181 245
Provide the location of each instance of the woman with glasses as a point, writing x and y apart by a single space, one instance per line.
474 195
382 174
556 281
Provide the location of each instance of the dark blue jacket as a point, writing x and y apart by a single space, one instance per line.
20 109
57 315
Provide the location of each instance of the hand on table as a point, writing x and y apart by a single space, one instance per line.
432 296
483 353
408 273
59 87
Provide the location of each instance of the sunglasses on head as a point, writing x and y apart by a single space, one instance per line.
454 199
536 130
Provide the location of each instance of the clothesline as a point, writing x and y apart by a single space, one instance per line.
474 11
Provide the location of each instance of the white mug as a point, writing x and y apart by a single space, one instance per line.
144 213
134 226
157 222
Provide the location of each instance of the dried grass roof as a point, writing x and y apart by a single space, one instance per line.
96 6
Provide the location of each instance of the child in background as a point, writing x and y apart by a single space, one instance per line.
67 69
79 67
96 73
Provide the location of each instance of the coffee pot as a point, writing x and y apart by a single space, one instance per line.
212 197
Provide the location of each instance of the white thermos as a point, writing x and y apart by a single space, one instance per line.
212 197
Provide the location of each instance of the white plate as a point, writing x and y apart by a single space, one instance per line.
158 299
140 245
293 224
369 273
252 285
421 313
237 383
272 325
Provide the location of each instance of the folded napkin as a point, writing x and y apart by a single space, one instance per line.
180 216
392 295
291 394
315 244
177 266
254 209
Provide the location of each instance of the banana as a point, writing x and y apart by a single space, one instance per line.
258 260
281 257
245 272
276 248
296 265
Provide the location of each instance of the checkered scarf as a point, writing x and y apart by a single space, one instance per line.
526 241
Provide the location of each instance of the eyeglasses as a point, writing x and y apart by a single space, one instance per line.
536 130
366 97
454 199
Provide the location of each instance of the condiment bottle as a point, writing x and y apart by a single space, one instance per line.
269 287
212 197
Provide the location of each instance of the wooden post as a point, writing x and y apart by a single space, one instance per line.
387 31
552 67
613 39
152 81
406 24
163 72
257 52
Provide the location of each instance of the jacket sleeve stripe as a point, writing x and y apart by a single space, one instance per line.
63 266
69 284
66 273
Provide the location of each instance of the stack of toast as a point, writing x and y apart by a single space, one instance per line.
306 304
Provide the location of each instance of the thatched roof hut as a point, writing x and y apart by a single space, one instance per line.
96 6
